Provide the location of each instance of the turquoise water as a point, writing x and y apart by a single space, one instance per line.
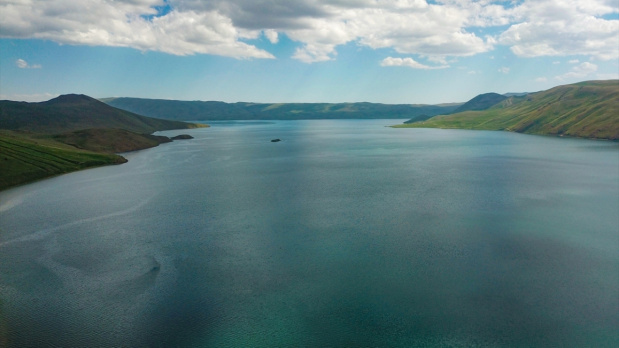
344 234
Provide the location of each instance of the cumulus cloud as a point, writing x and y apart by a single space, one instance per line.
22 64
271 35
430 29
563 28
409 62
127 23
580 71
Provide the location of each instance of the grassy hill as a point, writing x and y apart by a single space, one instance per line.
213 110
587 109
24 159
69 133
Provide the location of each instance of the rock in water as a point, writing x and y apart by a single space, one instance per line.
182 136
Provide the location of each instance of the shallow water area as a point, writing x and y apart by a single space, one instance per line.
344 233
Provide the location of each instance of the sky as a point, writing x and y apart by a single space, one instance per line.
382 51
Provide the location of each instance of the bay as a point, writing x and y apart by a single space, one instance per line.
344 233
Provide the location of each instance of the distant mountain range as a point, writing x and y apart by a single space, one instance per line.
215 110
587 109
68 133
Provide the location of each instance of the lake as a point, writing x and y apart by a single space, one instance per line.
346 233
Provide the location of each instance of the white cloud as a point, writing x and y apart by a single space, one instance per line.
22 64
435 31
271 35
409 62
541 79
574 61
563 28
126 23
580 71
504 70
610 76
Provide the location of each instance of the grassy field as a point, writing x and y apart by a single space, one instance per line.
588 109
24 159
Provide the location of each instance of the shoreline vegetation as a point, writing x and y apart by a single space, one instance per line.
70 133
584 110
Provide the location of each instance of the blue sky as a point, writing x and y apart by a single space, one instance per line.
386 51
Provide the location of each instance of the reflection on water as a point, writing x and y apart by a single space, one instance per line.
345 233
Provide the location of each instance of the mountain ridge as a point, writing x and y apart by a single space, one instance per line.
217 110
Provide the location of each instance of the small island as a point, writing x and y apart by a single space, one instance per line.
182 137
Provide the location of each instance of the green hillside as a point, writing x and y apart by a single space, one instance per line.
213 110
587 109
23 159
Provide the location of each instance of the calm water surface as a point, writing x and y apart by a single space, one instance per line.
344 234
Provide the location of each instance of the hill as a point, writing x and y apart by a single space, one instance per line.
215 110
23 159
481 102
69 133
74 112
587 109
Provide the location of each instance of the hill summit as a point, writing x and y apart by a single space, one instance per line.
481 102
73 112
70 99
